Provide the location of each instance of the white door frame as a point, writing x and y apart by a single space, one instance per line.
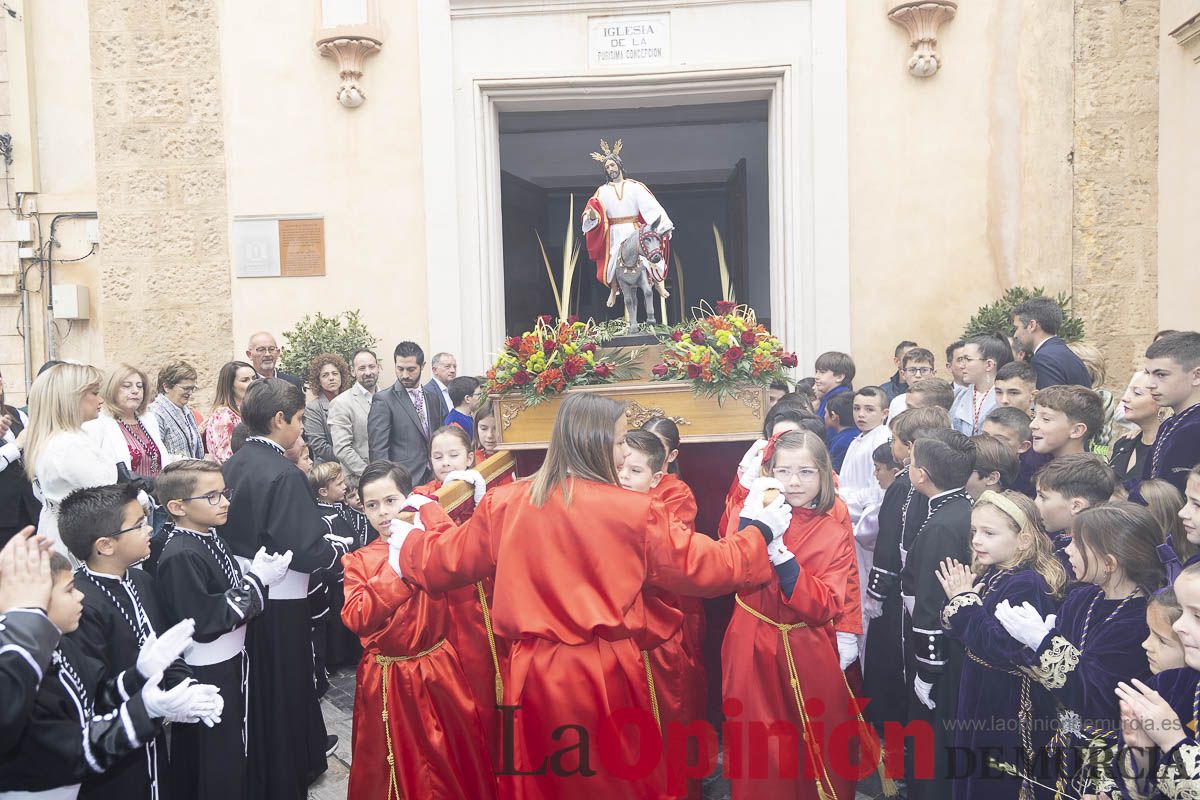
807 160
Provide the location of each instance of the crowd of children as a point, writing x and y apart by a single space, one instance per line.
947 559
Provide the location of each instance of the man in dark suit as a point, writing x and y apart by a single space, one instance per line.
445 369
402 417
1035 329
18 505
263 355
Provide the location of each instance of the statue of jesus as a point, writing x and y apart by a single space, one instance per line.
614 213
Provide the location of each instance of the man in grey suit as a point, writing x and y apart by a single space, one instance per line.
403 416
348 412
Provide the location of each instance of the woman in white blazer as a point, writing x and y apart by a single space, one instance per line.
123 431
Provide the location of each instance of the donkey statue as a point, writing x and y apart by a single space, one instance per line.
638 252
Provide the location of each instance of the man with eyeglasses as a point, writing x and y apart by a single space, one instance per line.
263 355
898 384
916 364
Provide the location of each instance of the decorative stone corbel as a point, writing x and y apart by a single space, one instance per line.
350 51
922 19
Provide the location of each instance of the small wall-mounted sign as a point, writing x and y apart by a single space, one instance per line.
273 247
620 41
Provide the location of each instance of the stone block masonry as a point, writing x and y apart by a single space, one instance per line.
161 188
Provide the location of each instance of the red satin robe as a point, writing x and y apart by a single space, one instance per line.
469 630
569 592
435 733
755 671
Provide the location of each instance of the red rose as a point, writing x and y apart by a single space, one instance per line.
588 348
660 370
698 336
725 307
693 370
749 338
549 347
512 342
571 368
522 378
571 320
733 355
603 370
789 360
677 336
545 319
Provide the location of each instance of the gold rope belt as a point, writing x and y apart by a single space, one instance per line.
385 662
1024 718
621 220
653 691
491 637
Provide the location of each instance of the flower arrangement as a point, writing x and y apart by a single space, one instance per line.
721 350
554 357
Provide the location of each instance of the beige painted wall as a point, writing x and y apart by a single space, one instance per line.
1178 172
959 183
292 149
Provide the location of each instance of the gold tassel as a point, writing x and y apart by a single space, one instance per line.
889 786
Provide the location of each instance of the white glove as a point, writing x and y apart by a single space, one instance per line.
205 704
777 517
778 553
872 608
924 692
750 467
471 476
159 653
758 487
847 649
1024 623
415 501
270 568
398 533
186 702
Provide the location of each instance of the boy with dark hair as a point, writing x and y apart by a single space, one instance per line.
88 718
1011 426
1035 329
464 394
199 579
275 510
106 528
776 392
795 419
979 359
1065 418
839 423
898 383
953 368
1173 364
1016 385
1070 484
917 364
930 392
941 464
996 466
833 375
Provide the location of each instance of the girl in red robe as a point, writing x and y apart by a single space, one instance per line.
572 554
791 618
416 730
486 439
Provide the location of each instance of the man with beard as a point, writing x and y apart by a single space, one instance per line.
263 355
402 418
18 506
348 415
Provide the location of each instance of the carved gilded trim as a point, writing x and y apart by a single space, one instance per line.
638 415
509 412
752 398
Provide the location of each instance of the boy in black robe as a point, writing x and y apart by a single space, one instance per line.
273 508
199 578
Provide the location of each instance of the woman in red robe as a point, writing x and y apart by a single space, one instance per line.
412 704
776 625
572 554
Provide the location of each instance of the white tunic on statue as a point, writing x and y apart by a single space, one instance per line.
626 199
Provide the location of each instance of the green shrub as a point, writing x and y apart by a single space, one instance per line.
341 334
996 318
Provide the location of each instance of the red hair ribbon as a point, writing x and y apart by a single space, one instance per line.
769 450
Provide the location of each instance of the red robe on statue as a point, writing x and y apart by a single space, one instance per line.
429 726
569 593
756 672
598 245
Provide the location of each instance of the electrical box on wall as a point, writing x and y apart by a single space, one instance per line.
24 230
71 301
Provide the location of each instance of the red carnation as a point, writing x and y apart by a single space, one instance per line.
603 369
660 370
545 319
749 338
588 348
693 370
548 347
677 336
725 307
512 342
789 360
522 378
698 336
733 355
571 368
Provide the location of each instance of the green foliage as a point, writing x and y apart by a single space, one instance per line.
996 318
341 334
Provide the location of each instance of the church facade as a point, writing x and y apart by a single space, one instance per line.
198 169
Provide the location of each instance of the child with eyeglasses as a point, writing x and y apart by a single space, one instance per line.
916 364
199 578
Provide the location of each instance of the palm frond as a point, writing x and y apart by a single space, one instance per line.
550 274
727 290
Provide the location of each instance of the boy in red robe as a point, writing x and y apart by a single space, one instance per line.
416 730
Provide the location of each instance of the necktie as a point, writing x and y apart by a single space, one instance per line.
419 402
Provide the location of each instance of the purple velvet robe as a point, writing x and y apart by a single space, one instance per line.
1177 447
992 691
1178 688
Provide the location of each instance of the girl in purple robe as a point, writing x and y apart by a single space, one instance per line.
1013 562
1093 644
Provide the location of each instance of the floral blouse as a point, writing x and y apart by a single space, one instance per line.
218 432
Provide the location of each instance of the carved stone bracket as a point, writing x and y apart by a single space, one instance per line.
350 52
1187 34
922 19
638 415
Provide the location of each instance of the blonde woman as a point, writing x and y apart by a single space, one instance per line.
124 430
60 456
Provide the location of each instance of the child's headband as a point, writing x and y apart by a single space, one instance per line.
1007 506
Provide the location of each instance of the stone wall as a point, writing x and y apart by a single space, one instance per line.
12 358
1114 263
160 176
